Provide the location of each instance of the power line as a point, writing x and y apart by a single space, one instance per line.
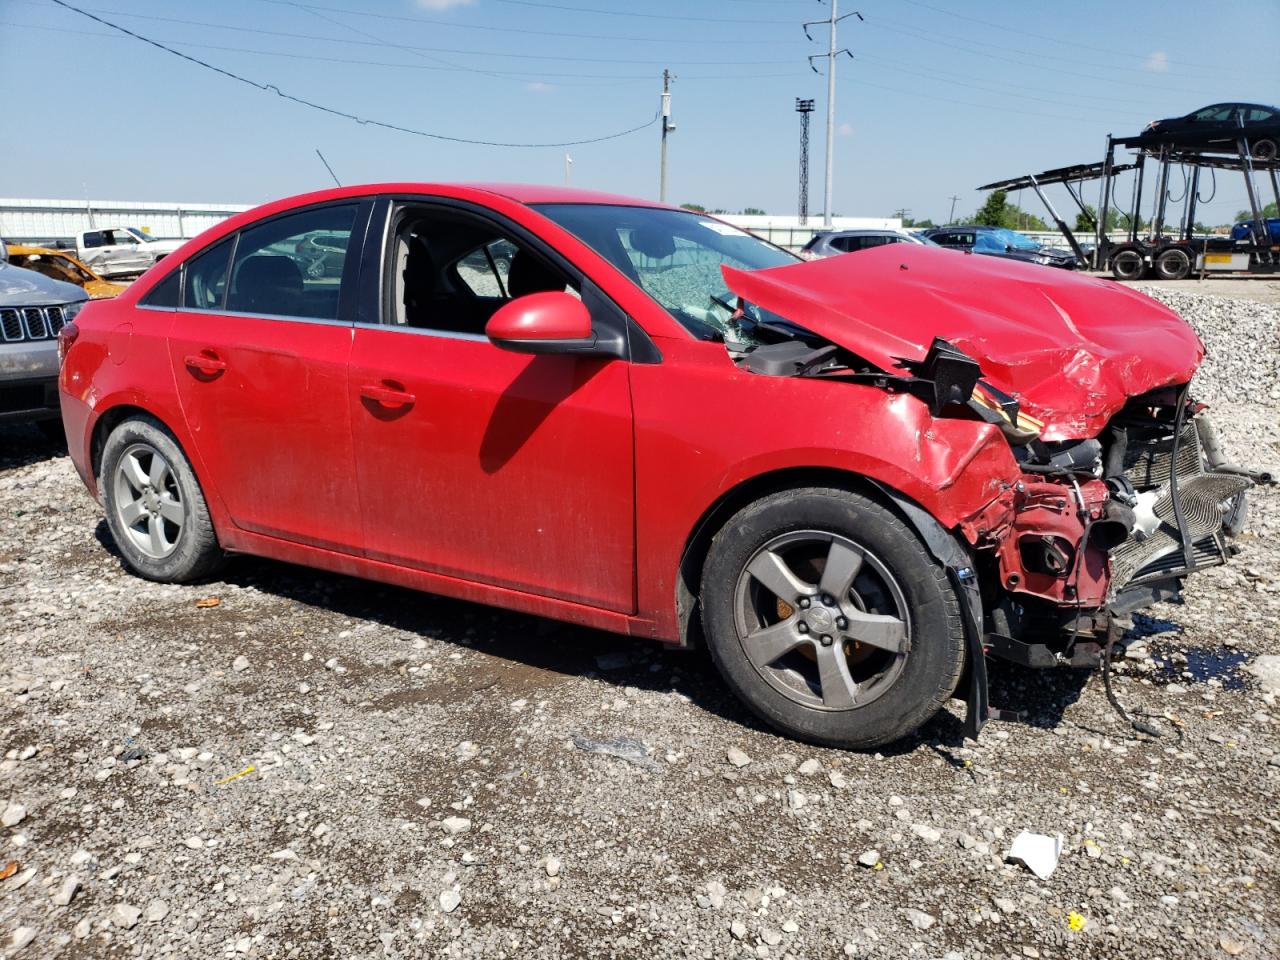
1216 68
918 34
383 42
272 88
632 13
525 75
951 81
408 47
524 31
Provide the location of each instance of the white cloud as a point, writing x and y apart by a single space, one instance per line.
444 4
845 130
1158 62
537 86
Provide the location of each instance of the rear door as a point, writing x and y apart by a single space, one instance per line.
494 467
259 351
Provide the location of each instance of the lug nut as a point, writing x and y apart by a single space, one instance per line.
827 600
803 603
826 640
802 627
842 623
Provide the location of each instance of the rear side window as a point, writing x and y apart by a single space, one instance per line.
293 266
206 283
94 238
166 292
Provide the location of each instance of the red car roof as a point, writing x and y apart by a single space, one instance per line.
542 193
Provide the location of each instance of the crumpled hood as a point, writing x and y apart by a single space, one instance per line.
1072 348
20 287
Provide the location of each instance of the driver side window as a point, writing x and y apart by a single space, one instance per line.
451 271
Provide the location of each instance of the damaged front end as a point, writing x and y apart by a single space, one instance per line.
1106 526
1123 488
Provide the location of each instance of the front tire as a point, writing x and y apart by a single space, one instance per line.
155 509
825 614
1264 150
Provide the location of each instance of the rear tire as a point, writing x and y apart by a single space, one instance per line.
858 641
1264 150
1128 265
1173 264
155 509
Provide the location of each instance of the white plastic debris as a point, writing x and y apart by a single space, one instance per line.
1037 852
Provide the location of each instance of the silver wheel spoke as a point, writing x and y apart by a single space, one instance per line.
772 571
132 512
171 510
159 473
155 534
767 644
133 472
876 630
843 565
839 690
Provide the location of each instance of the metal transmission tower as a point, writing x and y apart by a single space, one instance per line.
804 108
831 54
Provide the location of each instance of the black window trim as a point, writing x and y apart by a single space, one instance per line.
347 295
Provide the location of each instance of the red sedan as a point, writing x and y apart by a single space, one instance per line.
852 478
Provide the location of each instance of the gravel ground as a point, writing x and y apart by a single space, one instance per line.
314 766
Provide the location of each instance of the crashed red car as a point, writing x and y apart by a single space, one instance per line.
852 479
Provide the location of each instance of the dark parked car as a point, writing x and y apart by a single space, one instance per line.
1000 242
848 241
1219 126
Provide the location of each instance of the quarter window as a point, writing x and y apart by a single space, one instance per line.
293 266
165 293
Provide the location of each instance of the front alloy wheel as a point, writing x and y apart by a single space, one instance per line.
822 620
827 616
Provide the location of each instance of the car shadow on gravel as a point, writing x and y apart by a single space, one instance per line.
22 444
538 645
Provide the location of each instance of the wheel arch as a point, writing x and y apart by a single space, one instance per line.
107 420
688 581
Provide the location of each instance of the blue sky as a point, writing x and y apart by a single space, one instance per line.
942 95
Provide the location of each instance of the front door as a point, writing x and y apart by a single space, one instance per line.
477 463
259 350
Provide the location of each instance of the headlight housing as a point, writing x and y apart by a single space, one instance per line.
72 310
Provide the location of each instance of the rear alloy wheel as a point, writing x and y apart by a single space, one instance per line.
827 617
155 508
1264 150
1173 264
1127 265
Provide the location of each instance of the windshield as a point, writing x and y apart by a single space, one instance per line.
1011 238
675 257
142 237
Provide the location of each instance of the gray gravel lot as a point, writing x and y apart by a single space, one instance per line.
322 767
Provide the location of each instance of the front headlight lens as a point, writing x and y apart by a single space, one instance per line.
72 310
